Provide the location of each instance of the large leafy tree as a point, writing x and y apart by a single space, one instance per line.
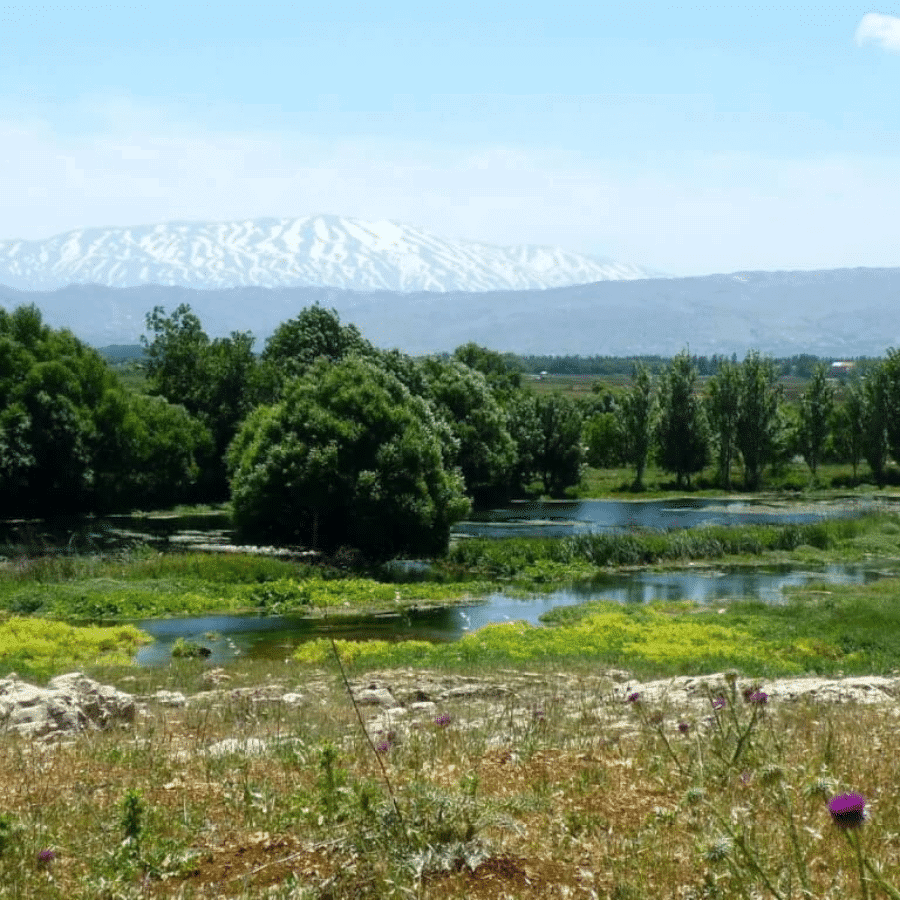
217 381
314 333
50 385
72 439
891 367
602 434
497 368
847 429
682 432
876 414
560 453
347 457
486 453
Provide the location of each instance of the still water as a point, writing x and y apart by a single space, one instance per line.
561 518
274 637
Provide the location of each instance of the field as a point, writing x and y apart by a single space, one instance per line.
620 752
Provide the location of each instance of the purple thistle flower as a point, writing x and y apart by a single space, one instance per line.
634 697
45 857
383 746
848 810
719 703
537 714
758 698
443 720
683 727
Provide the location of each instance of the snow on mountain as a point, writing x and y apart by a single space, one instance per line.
317 251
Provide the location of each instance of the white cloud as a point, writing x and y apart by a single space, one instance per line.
876 28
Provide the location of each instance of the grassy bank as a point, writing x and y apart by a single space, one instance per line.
794 479
147 584
36 648
554 790
539 561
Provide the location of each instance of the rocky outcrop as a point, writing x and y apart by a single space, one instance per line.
69 703
392 702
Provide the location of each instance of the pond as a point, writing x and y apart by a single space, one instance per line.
274 637
561 518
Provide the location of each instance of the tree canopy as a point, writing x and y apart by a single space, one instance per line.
72 439
347 457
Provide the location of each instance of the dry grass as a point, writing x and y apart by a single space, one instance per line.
544 788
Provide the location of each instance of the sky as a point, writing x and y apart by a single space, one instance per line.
691 140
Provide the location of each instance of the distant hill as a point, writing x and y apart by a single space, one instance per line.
831 313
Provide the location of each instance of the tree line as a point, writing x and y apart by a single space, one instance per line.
321 439
801 365
324 440
741 417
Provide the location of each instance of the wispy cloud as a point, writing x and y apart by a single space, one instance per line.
875 28
134 165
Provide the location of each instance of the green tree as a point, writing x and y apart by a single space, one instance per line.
524 426
723 404
891 367
497 368
72 440
216 381
602 437
876 411
486 452
174 356
347 457
847 429
682 432
758 423
50 386
559 454
152 452
638 412
315 332
816 408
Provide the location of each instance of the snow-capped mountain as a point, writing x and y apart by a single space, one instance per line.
317 251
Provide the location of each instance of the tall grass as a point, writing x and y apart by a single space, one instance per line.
525 558
525 788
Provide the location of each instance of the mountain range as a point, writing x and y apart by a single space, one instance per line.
431 296
318 251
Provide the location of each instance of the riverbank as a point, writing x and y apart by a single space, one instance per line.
526 783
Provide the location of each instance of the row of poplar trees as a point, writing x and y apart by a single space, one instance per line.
741 417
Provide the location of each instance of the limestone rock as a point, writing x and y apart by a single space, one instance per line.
69 703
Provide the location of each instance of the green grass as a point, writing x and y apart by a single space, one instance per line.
544 562
36 648
795 479
151 585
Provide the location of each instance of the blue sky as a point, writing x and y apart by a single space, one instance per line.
690 139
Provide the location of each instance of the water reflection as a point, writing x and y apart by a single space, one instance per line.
561 518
